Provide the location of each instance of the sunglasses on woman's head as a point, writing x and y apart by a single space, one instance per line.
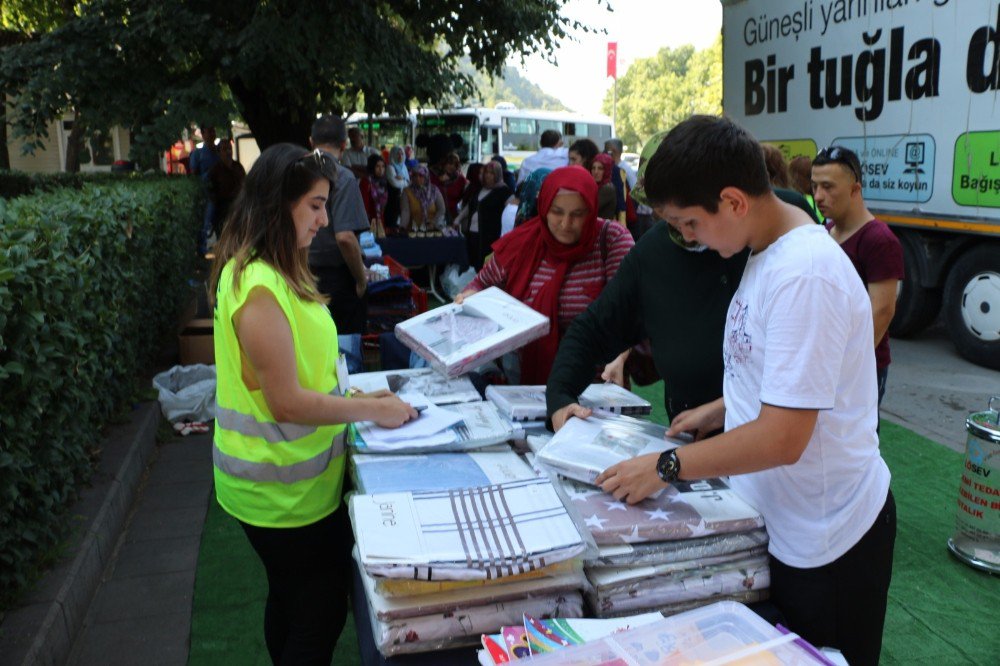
323 161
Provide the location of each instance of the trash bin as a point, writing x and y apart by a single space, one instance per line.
976 540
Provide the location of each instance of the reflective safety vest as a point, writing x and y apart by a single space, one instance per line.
269 473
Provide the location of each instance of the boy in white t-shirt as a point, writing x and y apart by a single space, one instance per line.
798 406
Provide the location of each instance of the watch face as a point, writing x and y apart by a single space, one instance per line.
668 466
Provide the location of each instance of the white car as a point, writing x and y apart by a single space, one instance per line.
632 159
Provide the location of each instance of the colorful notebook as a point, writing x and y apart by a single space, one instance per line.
551 635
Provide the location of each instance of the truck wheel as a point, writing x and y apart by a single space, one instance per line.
972 305
916 305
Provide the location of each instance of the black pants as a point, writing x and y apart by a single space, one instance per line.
219 215
842 604
391 215
308 582
350 313
881 374
473 245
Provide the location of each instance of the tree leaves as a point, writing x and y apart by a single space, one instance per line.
83 309
657 93
156 66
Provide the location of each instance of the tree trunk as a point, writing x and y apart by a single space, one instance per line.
74 143
4 151
267 125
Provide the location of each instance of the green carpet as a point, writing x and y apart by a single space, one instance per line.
940 610
227 626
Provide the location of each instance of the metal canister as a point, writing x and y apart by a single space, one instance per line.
976 540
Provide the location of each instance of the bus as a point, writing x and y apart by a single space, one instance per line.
508 131
384 129
504 130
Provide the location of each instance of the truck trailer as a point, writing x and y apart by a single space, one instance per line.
911 87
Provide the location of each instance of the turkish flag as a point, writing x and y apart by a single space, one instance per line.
613 59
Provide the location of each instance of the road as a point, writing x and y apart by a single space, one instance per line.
931 389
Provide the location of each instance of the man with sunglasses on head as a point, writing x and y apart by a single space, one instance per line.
872 247
335 254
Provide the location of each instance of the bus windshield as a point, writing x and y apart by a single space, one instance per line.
465 126
386 132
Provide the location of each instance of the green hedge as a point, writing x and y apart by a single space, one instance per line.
14 184
91 282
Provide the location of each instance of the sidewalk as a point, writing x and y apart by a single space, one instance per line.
141 613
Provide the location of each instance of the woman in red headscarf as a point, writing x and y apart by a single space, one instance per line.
557 263
601 167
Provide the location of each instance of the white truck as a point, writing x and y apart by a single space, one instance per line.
911 86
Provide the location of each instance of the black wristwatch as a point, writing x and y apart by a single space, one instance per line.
668 466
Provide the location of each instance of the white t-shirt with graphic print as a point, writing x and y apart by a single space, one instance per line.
799 335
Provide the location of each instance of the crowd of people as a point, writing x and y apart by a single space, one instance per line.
767 328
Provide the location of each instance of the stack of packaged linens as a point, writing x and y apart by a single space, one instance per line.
440 567
692 544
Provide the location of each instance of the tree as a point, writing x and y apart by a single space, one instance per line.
20 22
657 93
156 66
511 87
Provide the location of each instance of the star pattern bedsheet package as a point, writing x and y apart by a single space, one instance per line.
684 510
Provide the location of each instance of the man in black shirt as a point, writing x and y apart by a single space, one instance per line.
335 254
675 295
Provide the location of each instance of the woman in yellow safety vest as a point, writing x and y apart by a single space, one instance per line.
279 430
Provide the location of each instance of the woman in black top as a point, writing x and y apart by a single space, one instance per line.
481 226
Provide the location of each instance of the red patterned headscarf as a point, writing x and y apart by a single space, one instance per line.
522 251
609 164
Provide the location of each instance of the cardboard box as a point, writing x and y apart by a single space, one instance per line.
197 343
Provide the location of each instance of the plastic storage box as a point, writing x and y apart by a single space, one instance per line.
722 633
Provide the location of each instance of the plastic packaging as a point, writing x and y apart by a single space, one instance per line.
457 338
657 592
468 534
659 552
482 426
454 282
428 633
724 632
186 392
436 471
